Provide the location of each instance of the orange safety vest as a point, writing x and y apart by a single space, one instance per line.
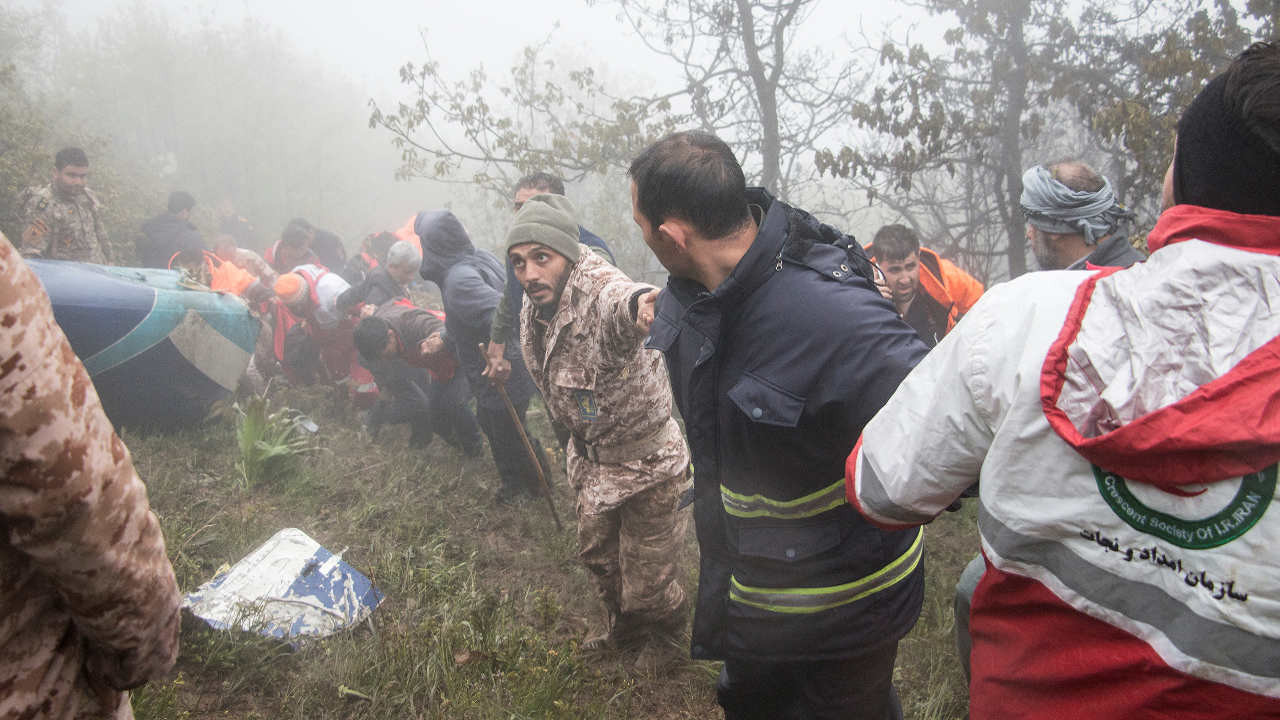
944 281
223 276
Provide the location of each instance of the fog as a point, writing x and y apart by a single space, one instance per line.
267 105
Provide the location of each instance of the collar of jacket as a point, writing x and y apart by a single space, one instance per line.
759 263
1256 233
1109 252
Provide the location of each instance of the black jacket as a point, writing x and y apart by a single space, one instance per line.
775 373
163 236
377 288
1114 251
328 247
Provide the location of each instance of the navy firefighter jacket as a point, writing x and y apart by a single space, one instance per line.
775 373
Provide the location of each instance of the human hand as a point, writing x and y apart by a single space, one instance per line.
882 284
433 345
646 306
37 229
497 368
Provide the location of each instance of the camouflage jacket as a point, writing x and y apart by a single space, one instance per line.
598 381
75 230
88 601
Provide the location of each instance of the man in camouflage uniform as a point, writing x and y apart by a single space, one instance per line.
63 220
88 602
627 457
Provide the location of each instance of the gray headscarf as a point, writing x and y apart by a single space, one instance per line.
1055 208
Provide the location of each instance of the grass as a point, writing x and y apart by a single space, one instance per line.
486 605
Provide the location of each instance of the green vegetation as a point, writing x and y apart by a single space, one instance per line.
485 606
272 443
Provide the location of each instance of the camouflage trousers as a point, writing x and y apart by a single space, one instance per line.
631 553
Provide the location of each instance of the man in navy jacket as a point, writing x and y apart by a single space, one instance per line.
780 349
470 282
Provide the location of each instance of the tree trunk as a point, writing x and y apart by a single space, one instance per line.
1011 138
765 82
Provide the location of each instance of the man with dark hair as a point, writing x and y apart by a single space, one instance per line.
470 282
1123 426
929 292
63 220
291 250
170 233
401 345
506 319
302 243
1074 219
779 349
627 461
543 182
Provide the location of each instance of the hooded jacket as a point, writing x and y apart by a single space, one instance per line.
1123 426
775 372
470 282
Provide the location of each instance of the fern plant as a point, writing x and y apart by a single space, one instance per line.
270 442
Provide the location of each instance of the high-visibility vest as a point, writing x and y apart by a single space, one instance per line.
223 276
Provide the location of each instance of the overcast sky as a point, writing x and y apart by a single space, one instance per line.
370 40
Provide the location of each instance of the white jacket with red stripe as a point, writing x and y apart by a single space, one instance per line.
1125 426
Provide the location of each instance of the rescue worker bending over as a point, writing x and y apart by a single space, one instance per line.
403 347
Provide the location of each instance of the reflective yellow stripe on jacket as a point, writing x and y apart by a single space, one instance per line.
755 506
817 599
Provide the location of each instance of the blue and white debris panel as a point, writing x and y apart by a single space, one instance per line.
289 588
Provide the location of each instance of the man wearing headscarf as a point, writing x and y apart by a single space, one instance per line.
471 283
1123 426
1074 220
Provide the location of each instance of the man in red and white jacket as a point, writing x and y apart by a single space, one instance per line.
1124 428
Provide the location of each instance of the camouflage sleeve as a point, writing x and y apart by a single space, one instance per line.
70 499
622 337
34 244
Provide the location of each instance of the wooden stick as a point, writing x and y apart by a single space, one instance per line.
528 446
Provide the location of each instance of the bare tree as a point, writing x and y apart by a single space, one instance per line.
743 78
1011 74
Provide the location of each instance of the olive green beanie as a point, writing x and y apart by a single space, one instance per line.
549 220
